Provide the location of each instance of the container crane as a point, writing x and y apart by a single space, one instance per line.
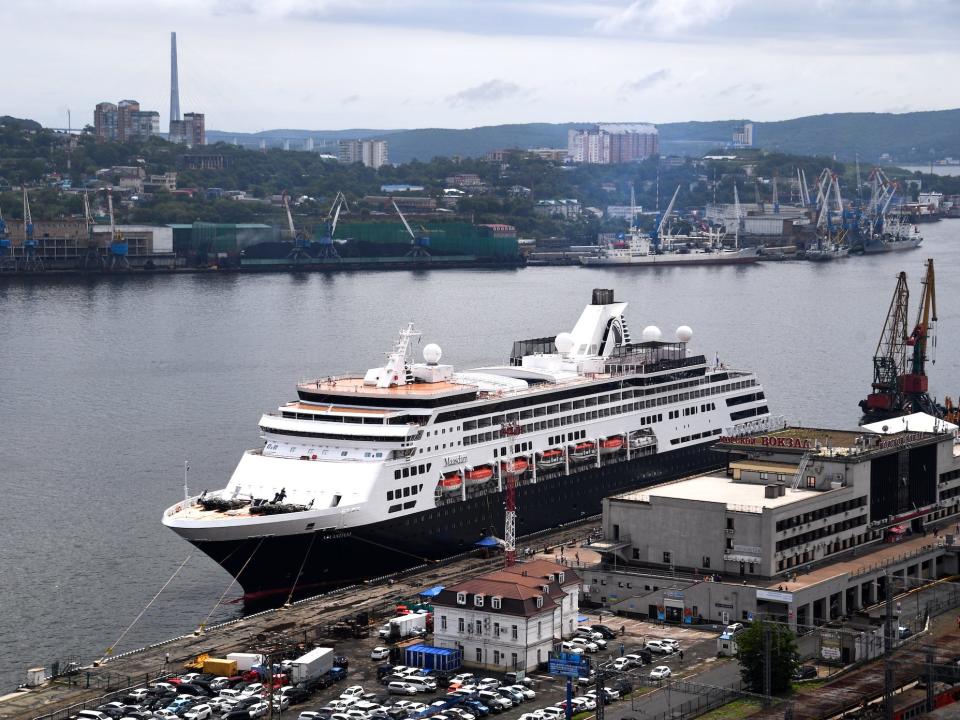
327 248
914 384
300 242
119 248
8 261
900 383
889 360
31 260
93 258
418 245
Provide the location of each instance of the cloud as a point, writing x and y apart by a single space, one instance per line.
350 100
489 92
646 82
665 17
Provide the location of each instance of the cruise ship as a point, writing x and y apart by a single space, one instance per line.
407 463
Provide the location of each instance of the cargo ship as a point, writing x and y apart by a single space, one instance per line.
363 475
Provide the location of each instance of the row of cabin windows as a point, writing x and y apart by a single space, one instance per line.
823 512
411 471
401 506
560 439
695 436
651 419
518 448
544 410
404 492
751 412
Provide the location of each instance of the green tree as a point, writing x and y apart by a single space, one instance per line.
783 655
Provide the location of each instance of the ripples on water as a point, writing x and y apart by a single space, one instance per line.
109 385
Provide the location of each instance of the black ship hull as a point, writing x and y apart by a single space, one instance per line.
269 568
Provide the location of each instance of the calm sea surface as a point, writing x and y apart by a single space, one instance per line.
109 385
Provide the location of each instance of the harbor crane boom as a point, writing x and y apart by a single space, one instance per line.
418 246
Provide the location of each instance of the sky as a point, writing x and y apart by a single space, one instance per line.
254 65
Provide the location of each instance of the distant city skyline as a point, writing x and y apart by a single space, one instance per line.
332 64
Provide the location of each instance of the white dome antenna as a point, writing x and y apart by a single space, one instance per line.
651 333
564 343
684 333
432 353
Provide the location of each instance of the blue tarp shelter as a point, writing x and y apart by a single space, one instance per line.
488 541
432 592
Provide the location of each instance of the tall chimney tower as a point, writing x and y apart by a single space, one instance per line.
174 83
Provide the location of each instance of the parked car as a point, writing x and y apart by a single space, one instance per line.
258 710
621 664
494 701
380 653
238 714
587 645
202 711
137 695
733 628
551 713
337 673
401 688
586 702
515 697
527 693
660 672
164 714
488 683
658 647
309 715
605 630
904 632
354 691
280 701
569 647
636 659
218 684
92 715
805 672
477 707
341 661
674 644
463 678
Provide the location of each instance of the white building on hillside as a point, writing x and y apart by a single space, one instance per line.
509 619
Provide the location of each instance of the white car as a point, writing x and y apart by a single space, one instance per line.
415 707
189 677
170 687
551 713
401 688
258 709
488 684
219 683
588 702
634 659
621 664
531 716
733 628
280 701
165 714
138 694
253 689
527 693
658 647
199 712
660 672
354 691
587 645
674 644
570 647
463 678
379 653
492 699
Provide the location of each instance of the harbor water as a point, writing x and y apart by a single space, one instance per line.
110 384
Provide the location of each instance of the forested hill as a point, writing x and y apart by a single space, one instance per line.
907 137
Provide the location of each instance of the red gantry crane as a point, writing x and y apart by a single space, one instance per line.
900 384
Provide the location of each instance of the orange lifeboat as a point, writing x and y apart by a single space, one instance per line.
514 467
451 482
477 475
611 445
550 459
584 451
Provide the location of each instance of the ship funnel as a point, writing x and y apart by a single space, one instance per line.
602 297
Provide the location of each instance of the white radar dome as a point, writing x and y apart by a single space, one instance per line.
684 333
651 333
564 343
432 353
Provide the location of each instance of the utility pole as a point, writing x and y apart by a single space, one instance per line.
888 648
599 686
930 678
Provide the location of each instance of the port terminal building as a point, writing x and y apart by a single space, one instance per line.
804 525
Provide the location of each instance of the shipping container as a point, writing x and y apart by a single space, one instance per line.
220 666
314 664
245 661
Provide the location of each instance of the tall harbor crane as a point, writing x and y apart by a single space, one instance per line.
418 245
327 247
32 262
93 258
119 248
8 261
900 384
300 242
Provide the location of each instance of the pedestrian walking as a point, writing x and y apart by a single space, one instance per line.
681 656
166 656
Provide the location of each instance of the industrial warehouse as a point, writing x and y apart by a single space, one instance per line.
806 525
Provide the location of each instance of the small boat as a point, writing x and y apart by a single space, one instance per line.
550 459
514 467
584 451
611 445
478 475
642 439
451 482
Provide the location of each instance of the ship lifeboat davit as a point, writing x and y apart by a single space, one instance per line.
550 459
611 445
584 451
478 475
514 467
451 482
